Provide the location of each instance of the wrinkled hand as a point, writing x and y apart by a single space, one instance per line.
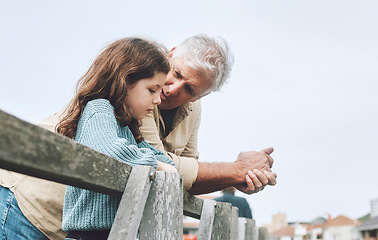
261 175
166 167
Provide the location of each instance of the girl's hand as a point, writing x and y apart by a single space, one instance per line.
166 167
261 179
255 181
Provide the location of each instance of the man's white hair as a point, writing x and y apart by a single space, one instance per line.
210 55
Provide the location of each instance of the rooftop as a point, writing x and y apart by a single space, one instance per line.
340 221
286 231
370 224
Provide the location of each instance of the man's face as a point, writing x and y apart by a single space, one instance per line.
183 85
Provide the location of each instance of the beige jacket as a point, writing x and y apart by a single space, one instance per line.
181 143
41 201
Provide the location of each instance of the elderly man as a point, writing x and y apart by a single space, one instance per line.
199 65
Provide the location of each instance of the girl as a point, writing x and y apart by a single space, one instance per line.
122 85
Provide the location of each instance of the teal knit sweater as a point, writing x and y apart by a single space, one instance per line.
99 129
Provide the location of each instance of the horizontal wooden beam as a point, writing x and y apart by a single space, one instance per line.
34 151
31 150
192 205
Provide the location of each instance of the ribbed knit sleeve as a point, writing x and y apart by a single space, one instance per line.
158 154
99 129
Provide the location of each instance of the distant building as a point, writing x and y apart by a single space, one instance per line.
341 228
291 232
369 229
278 222
285 233
374 208
315 228
369 226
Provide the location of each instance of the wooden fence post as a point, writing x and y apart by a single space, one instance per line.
263 233
222 221
241 228
234 223
130 210
250 229
209 230
206 220
162 216
247 229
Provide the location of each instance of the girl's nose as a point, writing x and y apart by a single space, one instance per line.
157 100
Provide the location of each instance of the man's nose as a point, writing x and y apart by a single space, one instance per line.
174 89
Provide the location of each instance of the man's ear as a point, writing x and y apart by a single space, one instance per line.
200 96
170 54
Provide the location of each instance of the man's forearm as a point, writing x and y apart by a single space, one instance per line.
216 176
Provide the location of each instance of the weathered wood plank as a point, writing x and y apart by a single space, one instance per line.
206 220
250 229
241 228
222 221
130 211
31 150
247 229
263 233
162 216
34 151
234 223
192 205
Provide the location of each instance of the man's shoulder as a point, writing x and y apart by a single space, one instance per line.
196 105
193 109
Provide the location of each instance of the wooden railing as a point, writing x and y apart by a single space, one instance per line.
153 203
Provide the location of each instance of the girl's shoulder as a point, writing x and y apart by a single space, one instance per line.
100 103
98 106
96 114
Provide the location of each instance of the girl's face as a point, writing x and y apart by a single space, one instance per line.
144 94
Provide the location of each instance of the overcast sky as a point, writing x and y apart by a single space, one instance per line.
304 81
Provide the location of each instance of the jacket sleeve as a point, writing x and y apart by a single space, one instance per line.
186 166
191 148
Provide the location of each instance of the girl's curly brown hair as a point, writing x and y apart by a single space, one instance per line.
119 65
